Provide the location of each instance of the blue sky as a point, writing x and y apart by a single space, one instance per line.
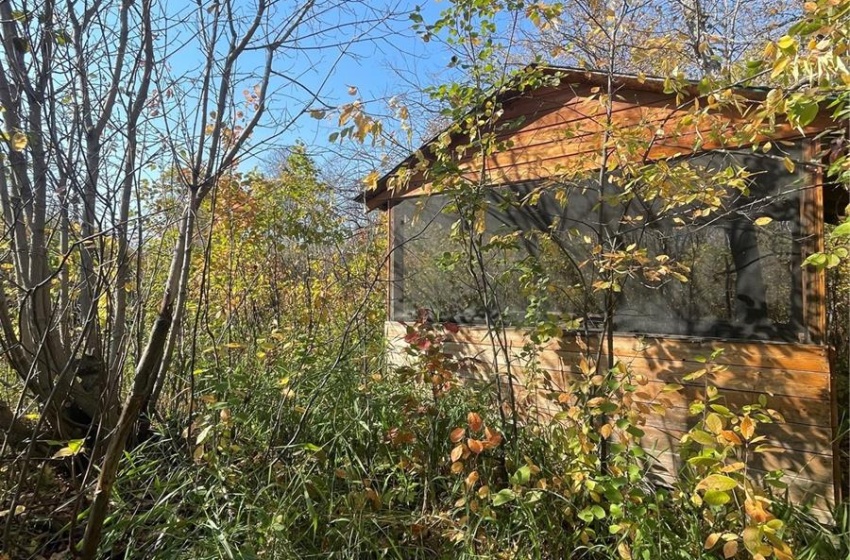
390 60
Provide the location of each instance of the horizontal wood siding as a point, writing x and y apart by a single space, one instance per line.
558 132
794 377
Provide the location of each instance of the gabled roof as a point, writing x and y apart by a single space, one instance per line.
567 78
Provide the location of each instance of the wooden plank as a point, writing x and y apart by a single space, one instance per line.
545 101
800 491
571 125
798 412
768 355
795 383
557 105
576 154
797 375
797 465
806 414
582 152
813 439
585 119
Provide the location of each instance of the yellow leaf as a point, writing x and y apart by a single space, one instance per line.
717 482
457 467
74 447
786 42
711 541
779 67
457 453
371 180
18 510
783 553
714 423
769 50
748 427
752 538
19 141
763 221
730 549
789 164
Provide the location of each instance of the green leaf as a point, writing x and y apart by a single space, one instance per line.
842 230
700 461
503 496
716 497
522 475
808 113
586 515
702 437
803 111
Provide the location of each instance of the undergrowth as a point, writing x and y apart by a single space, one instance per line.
410 463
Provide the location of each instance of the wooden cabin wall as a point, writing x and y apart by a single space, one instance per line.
557 132
794 377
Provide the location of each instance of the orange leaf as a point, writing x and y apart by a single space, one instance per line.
711 540
731 437
457 435
471 479
756 511
475 422
494 438
475 446
457 467
730 549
